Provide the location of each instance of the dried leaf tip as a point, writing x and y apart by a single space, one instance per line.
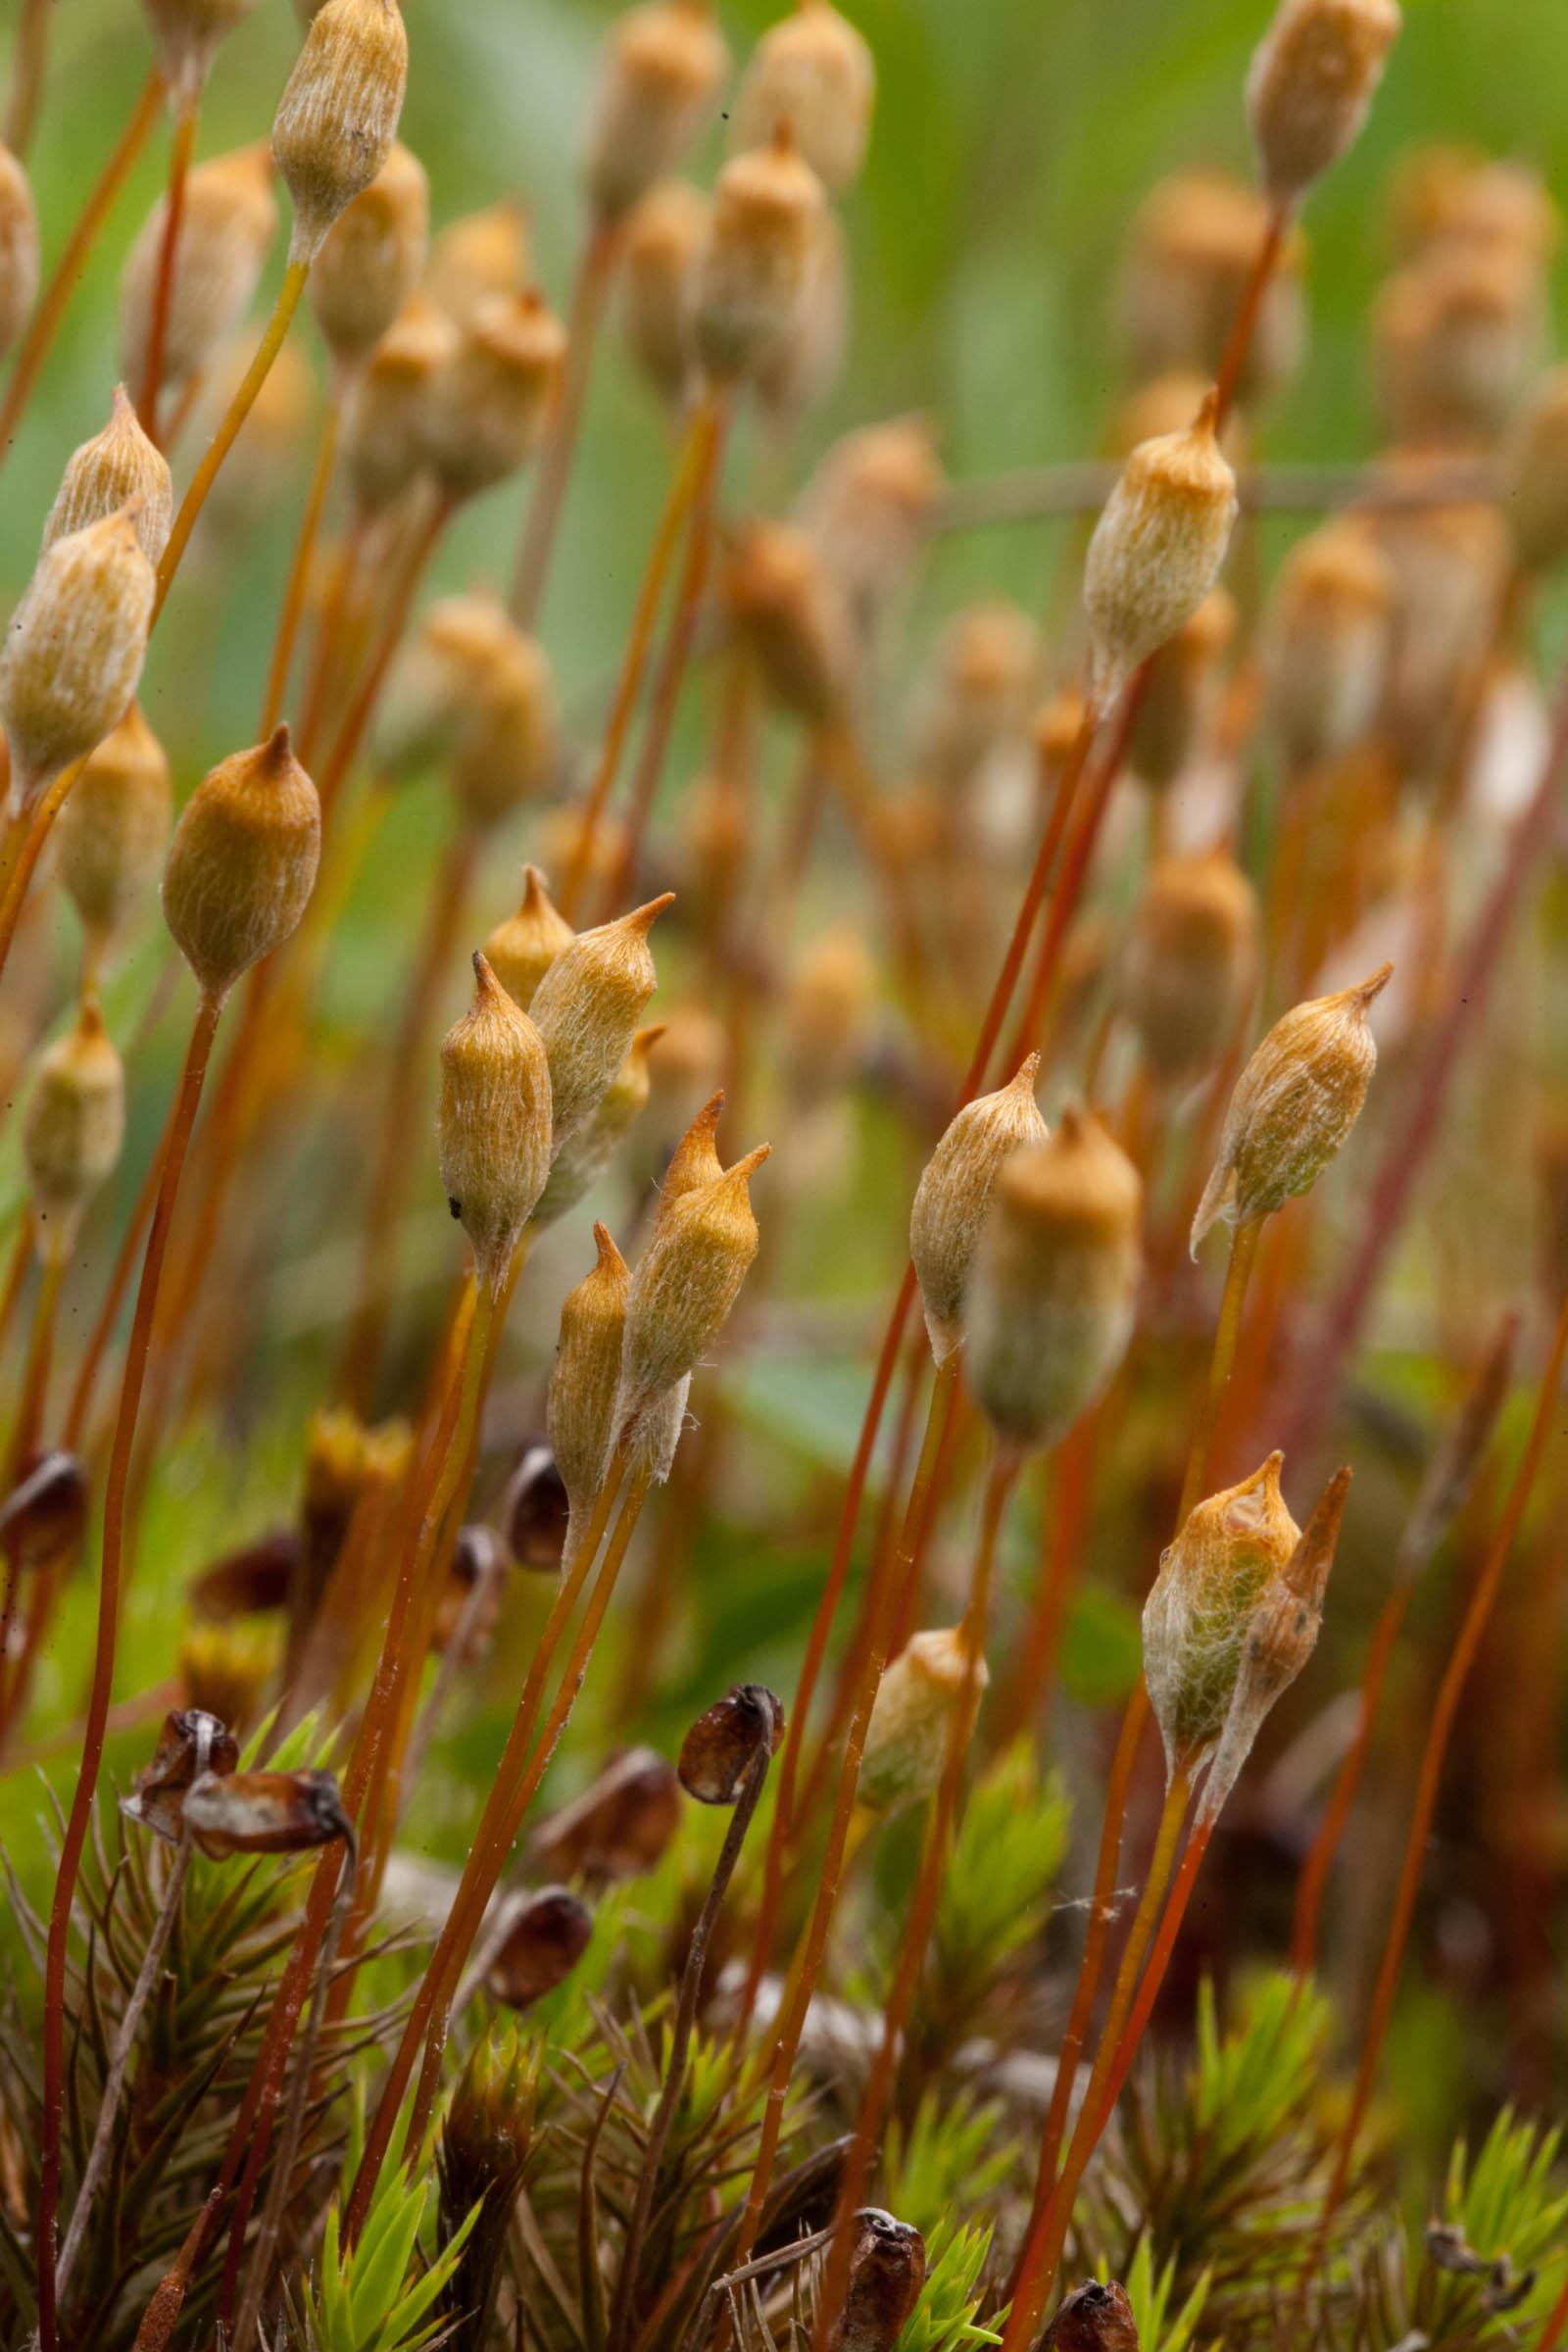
1294 1103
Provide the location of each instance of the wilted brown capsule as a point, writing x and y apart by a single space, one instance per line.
18 250
253 1581
1192 960
1310 84
583 1158
887 2271
813 70
724 1743
522 950
1189 259
1280 1635
226 228
548 1935
954 1197
657 247
587 1007
755 273
119 467
73 654
1180 692
265 1812
190 1743
1535 474
1293 1105
1054 1288
1328 637
619 1828
242 862
72 1125
783 608
338 115
483 253
1094 2318
912 1717
45 1513
535 1509
186 35
869 507
1200 1604
1156 550
490 403
686 1282
493 1124
587 1368
371 258
386 417
662 69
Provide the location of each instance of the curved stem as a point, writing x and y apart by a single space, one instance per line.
223 441
51 308
198 1055
180 153
29 61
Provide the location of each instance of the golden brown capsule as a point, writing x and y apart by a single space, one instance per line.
186 35
793 381
263 1812
113 828
619 1826
662 69
1535 474
119 467
828 1011
1200 1604
548 1935
781 604
869 507
522 950
385 420
490 401
724 1743
18 250
338 115
587 1369
954 1197
1311 83
190 1743
1156 550
481 254
982 690
72 1126
73 652
1192 960
1188 263
493 1125
1329 633
371 258
814 72
506 742
227 1670
242 863
1053 1287
587 1007
917 1704
1456 340
1294 1103
658 246
584 1156
755 273
227 224
686 1282
886 2273
1180 691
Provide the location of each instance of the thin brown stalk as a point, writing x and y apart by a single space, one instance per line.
28 64
299 572
594 273
186 116
198 1055
51 305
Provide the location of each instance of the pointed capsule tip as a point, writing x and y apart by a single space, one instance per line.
1374 984
643 919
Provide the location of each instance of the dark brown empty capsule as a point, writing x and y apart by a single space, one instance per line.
724 1741
477 1560
544 1944
618 1828
43 1517
251 1580
265 1812
535 1508
887 2270
191 1744
1094 2318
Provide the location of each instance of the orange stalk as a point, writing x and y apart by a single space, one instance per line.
594 273
299 573
183 147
